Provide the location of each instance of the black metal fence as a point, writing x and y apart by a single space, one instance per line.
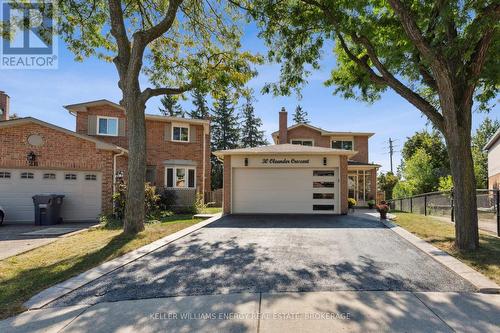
441 204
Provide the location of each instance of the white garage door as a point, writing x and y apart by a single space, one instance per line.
82 190
297 191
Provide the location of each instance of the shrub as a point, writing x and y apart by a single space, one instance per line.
351 202
151 200
199 203
445 183
110 222
371 204
168 198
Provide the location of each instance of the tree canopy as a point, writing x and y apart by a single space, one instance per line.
170 106
251 133
300 116
201 109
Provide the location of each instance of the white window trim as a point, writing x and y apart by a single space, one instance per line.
107 118
342 140
181 126
174 170
302 140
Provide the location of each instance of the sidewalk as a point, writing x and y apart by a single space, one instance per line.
281 312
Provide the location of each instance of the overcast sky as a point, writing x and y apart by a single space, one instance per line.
42 93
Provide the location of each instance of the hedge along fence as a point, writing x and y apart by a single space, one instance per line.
442 204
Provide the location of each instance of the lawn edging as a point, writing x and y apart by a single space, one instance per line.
53 293
478 280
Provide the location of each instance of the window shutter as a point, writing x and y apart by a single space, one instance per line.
92 125
170 177
168 132
121 127
191 178
192 133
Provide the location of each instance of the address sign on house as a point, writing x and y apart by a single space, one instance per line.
283 161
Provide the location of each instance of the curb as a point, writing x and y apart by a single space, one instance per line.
52 293
478 280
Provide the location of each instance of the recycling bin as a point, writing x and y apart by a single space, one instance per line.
48 208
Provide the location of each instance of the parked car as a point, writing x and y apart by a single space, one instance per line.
2 215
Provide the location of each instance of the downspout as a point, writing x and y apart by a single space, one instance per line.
204 162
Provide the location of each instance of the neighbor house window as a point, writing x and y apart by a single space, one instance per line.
27 175
181 177
4 174
91 177
342 144
180 133
107 126
302 142
49 176
70 176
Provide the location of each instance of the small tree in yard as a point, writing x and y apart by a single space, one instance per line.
438 55
177 44
251 134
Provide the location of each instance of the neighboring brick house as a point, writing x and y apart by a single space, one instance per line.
38 157
362 175
493 149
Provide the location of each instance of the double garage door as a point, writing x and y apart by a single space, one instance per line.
294 191
82 190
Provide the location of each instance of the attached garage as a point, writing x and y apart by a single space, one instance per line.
285 179
82 191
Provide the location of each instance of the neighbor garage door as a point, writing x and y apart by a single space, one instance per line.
297 191
82 192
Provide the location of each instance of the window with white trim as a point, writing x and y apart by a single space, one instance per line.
5 174
302 142
107 126
180 133
342 144
27 175
180 177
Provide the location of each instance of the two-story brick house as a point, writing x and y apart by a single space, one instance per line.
38 157
307 170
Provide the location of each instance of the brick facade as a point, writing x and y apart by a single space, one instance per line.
60 151
159 149
227 186
494 182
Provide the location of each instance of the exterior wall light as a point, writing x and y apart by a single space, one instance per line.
246 161
324 161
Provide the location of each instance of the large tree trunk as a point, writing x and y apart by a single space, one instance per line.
134 213
458 141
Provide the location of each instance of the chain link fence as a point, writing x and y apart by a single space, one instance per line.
440 204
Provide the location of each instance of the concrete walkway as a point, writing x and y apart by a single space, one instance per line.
351 311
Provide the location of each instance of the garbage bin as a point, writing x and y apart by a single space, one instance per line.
48 208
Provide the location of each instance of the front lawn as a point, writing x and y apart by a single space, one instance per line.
211 210
26 274
442 235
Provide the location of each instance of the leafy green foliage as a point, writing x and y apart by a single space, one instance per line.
445 183
433 145
386 183
483 134
171 107
151 200
300 116
201 110
419 173
351 202
403 189
251 134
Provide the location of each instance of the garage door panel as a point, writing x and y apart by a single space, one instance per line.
279 191
82 197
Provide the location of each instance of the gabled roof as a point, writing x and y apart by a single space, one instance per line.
99 144
284 149
82 107
493 140
323 132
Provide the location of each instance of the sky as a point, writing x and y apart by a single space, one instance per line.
42 94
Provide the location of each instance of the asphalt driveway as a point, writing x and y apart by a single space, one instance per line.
275 253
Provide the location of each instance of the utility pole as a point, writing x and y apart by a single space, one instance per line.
391 151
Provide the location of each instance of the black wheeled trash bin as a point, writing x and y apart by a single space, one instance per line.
48 208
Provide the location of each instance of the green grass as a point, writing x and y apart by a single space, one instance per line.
211 210
442 235
26 274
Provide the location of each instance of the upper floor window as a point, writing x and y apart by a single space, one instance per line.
342 144
107 126
180 133
303 142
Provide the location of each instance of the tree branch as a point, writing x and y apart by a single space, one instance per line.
164 25
119 32
152 92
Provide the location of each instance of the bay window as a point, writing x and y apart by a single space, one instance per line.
180 177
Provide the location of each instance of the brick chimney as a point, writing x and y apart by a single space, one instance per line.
283 131
4 106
